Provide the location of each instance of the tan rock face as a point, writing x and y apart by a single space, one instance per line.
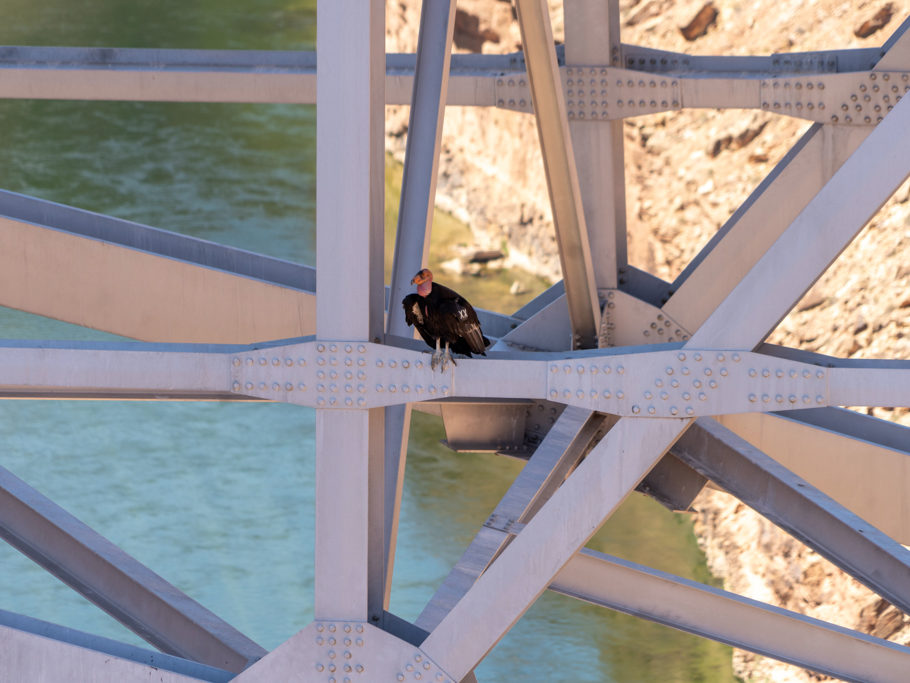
686 173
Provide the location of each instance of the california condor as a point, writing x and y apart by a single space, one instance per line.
443 316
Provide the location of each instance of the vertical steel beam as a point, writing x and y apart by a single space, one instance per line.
559 166
592 38
349 581
415 219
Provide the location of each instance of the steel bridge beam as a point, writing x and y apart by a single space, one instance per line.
798 508
102 573
728 618
415 220
561 173
350 537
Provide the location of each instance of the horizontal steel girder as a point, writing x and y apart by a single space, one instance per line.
814 86
729 618
327 374
155 285
130 592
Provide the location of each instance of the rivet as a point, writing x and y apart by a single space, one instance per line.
263 361
606 393
765 372
594 370
393 364
723 372
819 373
320 667
409 667
301 386
752 398
361 362
620 395
689 410
237 361
333 347
648 395
697 357
674 383
289 386
379 388
606 369
249 385
806 398
765 398
553 393
249 361
681 357
320 348
669 370
553 369
652 410
566 393
580 393
445 389
779 372
752 372
620 369
779 398
702 396
686 395
276 362
721 357
636 409
567 369
684 370
331 654
708 372
236 386
262 385
792 398
379 364
819 399
673 410
359 668
696 383
349 361
392 388
400 676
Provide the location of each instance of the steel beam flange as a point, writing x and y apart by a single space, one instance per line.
597 93
682 383
857 98
342 651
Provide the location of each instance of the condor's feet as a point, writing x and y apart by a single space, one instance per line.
441 357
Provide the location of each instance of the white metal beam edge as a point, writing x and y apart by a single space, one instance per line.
198 291
561 174
349 547
114 581
815 238
799 508
115 648
415 220
833 449
28 657
729 618
155 75
571 516
321 374
547 468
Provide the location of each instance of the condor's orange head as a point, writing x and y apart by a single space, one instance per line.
424 281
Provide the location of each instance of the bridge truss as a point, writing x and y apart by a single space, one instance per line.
657 386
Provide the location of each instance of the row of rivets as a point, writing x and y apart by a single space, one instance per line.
339 659
237 362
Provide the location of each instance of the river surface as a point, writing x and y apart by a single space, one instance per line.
218 497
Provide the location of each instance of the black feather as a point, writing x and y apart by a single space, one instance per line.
445 315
